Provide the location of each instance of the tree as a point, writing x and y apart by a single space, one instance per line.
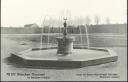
97 20
107 20
87 20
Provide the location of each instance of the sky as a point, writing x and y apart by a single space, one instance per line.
21 12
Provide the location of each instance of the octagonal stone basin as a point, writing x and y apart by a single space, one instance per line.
79 58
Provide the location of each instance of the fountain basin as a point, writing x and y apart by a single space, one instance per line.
80 57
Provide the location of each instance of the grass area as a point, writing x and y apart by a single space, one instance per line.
95 40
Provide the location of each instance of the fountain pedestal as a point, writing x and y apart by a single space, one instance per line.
65 45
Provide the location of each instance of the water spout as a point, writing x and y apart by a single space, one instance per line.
87 36
81 39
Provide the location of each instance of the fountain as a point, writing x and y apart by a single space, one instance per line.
65 44
65 55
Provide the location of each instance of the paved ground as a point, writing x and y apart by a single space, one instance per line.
110 71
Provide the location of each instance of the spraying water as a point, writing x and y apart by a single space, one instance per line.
48 36
42 34
41 46
81 40
52 33
87 36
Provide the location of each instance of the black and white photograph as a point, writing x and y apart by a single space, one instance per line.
63 40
